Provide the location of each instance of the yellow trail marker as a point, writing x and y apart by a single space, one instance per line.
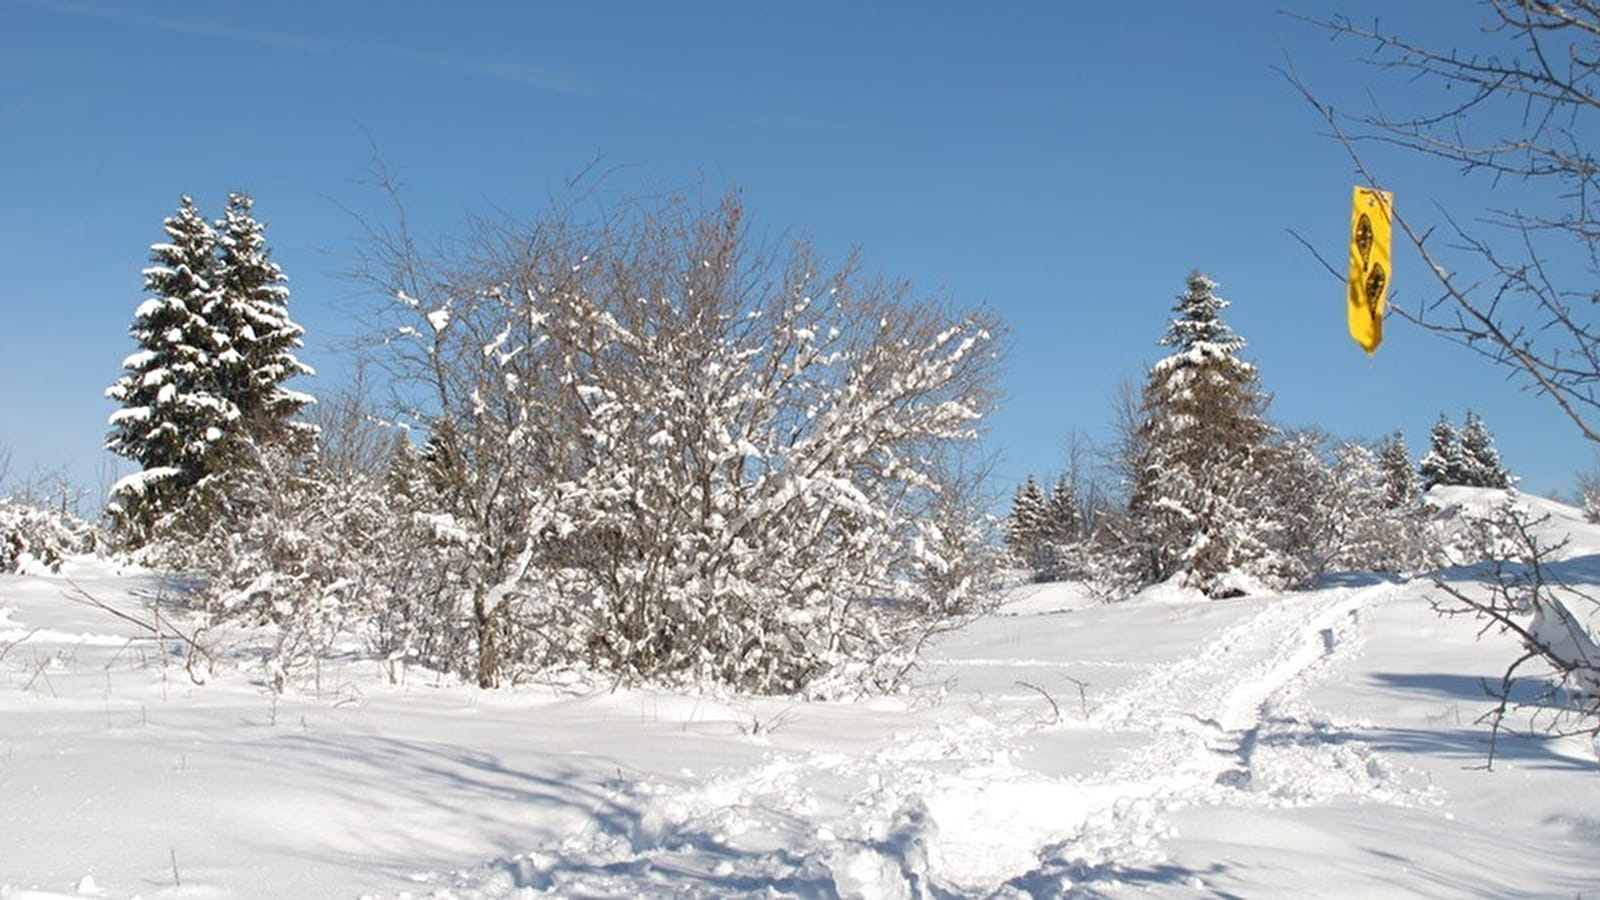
1371 214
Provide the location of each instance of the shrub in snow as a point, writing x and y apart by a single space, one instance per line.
37 538
1471 525
658 451
1521 590
215 345
1589 497
1334 512
326 560
1112 560
958 566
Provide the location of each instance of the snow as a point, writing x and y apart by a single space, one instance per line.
139 359
136 482
1320 743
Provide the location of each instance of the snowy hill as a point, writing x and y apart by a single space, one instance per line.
1314 744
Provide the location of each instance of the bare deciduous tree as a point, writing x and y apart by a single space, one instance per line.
1518 284
352 438
1523 592
1523 114
662 451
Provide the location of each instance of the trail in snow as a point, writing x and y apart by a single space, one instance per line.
1317 743
1227 726
953 810
1210 712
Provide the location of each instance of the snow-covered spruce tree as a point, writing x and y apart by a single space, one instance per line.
1481 466
1061 530
1062 519
250 316
1445 462
206 380
1198 506
1025 525
172 420
659 452
1401 487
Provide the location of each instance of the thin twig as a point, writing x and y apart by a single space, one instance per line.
1056 710
1083 693
1318 255
7 647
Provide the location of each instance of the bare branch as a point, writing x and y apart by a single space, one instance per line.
1545 339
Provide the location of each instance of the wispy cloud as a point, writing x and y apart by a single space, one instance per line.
516 72
505 70
513 72
143 18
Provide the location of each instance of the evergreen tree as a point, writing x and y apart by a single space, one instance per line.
1060 532
1481 466
172 420
254 334
1197 505
1444 463
402 477
1400 485
213 339
1024 527
1062 523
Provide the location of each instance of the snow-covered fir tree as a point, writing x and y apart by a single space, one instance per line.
251 319
1401 487
1025 523
1060 531
1062 523
1481 466
1198 506
213 338
1464 456
1445 462
172 419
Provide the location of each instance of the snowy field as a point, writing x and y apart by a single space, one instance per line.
1315 744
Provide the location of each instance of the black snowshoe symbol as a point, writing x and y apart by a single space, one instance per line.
1374 286
1364 239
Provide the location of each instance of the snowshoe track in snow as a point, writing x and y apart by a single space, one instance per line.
946 811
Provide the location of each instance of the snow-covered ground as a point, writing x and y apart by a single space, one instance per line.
1315 744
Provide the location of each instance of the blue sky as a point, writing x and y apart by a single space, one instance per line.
1066 164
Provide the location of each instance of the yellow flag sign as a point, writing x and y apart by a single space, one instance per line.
1370 228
